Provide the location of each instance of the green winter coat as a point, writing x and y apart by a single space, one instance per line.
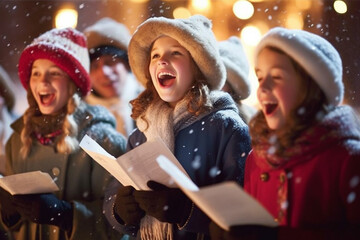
80 179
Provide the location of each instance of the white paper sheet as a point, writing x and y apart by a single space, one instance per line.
225 203
135 167
29 183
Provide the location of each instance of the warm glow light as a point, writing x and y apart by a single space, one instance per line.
139 1
200 5
66 18
294 21
181 12
250 35
243 9
340 6
303 4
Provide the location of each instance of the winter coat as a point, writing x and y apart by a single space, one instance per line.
81 180
318 187
120 109
212 149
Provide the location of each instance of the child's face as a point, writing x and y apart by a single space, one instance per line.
171 69
108 76
49 86
279 87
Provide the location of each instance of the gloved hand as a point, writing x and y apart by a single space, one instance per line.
45 209
166 204
126 209
9 213
246 232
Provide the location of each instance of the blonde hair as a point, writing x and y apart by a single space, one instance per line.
67 142
198 96
312 102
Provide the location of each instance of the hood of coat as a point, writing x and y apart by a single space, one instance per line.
339 126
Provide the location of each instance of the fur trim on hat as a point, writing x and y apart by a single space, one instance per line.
315 54
109 32
237 65
66 48
193 33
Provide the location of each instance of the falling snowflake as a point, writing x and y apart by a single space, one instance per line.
214 171
354 181
351 197
196 163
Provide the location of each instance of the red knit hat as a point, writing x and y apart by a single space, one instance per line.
67 48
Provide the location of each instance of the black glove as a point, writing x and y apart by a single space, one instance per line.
126 209
166 204
246 232
45 209
9 213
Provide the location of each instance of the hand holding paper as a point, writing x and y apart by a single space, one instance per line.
225 203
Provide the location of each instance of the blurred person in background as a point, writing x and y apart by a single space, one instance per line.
7 115
113 84
237 80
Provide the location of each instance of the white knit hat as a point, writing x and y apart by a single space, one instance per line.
109 32
237 66
315 54
193 33
66 48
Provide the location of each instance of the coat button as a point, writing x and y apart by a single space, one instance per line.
55 171
264 177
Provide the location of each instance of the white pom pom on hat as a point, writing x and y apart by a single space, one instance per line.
193 33
237 65
314 53
65 47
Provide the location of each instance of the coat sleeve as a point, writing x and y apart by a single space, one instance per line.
234 149
112 188
89 221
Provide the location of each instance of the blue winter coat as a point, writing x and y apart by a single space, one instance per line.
211 149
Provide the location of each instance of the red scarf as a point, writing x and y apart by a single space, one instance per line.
47 139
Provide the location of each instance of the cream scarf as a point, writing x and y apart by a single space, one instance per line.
161 121
165 122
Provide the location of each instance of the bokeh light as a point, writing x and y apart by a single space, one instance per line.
340 6
243 9
181 12
66 17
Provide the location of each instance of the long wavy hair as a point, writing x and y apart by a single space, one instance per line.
198 96
310 104
67 142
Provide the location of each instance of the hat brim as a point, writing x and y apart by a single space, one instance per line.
60 57
202 49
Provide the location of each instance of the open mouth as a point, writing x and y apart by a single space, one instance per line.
166 79
47 98
270 108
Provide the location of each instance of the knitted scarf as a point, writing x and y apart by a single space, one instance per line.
47 127
165 122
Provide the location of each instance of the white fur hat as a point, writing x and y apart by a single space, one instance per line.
237 65
193 33
315 54
107 31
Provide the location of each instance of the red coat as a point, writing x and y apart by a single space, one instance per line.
318 187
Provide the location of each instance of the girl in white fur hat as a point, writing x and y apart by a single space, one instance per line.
178 62
54 69
305 163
